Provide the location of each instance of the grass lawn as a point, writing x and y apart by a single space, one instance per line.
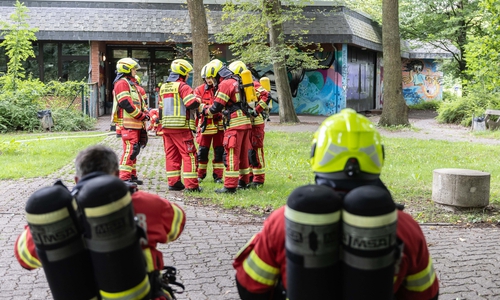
37 155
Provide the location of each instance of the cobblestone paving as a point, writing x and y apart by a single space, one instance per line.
467 261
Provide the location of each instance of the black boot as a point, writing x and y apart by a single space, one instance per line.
136 180
242 185
255 185
196 189
178 186
226 190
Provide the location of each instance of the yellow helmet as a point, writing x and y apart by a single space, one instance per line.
213 68
138 79
237 67
181 66
347 145
125 65
204 71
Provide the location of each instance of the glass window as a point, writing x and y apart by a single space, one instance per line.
50 69
75 70
119 53
168 55
75 49
140 54
3 61
31 68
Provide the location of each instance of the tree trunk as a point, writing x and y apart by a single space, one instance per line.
199 37
276 42
395 110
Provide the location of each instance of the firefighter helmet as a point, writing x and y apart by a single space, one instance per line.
204 71
125 65
213 68
347 143
181 66
237 67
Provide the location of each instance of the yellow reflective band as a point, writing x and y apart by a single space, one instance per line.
246 245
422 280
149 259
138 292
311 219
48 218
24 253
176 223
369 222
259 271
104 210
223 97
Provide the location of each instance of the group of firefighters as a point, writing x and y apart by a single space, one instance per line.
224 113
342 237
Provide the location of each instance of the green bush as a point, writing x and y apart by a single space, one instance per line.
426 105
460 110
19 105
71 120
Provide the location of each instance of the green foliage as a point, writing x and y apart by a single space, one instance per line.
247 32
459 110
443 24
71 120
426 105
18 107
482 53
18 39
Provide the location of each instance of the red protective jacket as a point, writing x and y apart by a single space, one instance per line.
213 123
163 221
416 278
228 97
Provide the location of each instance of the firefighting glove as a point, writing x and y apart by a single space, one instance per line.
143 138
206 111
253 112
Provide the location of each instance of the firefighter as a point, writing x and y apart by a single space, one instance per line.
177 106
162 220
256 153
154 123
346 153
209 133
134 116
237 126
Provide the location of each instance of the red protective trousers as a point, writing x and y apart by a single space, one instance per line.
130 142
214 140
257 161
180 149
236 145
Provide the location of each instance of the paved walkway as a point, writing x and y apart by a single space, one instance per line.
467 260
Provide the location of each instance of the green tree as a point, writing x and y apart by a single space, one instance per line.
199 38
255 34
483 52
446 24
395 111
18 38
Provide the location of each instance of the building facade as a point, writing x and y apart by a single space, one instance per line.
83 40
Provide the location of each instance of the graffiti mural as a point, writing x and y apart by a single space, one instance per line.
314 92
421 81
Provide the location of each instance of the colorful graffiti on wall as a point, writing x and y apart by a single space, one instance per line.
421 81
314 92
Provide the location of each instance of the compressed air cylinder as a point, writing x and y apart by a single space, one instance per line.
369 220
249 88
110 233
312 224
51 216
266 84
